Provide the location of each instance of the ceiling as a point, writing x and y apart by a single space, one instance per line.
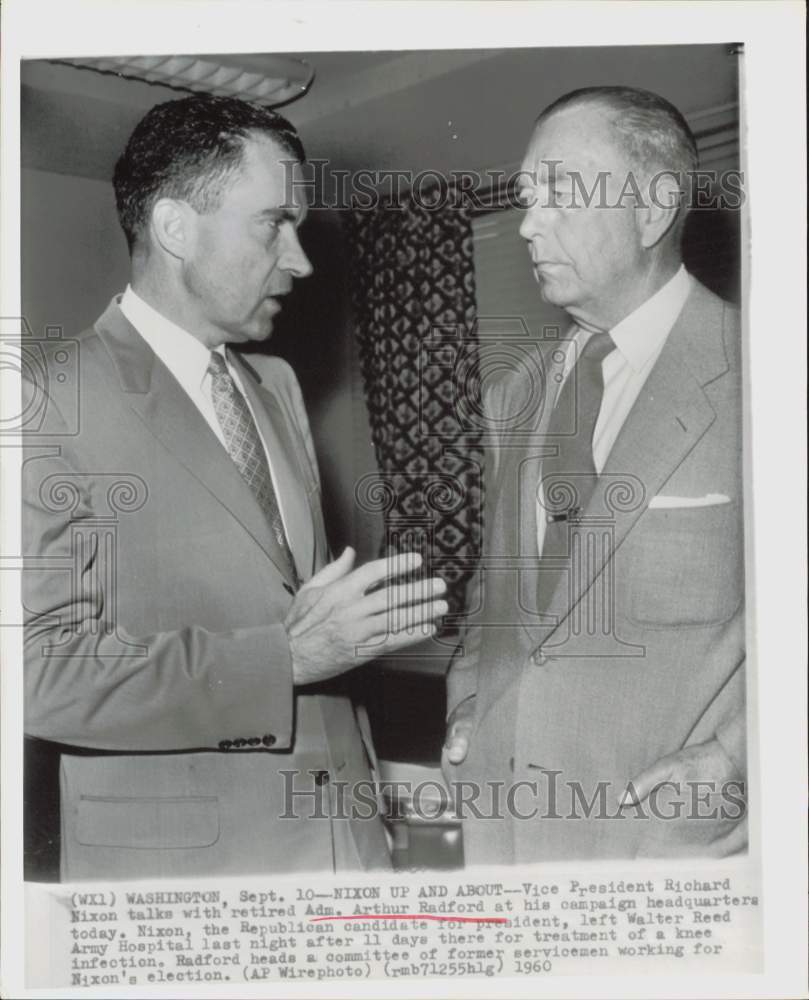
427 110
330 67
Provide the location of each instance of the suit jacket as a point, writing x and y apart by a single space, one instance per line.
157 665
587 672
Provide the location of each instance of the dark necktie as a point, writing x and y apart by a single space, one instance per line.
569 478
245 448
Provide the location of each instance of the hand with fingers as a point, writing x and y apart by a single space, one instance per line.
707 763
343 616
459 730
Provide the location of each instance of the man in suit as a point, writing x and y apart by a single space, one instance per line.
598 705
182 615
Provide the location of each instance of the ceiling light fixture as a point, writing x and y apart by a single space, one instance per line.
290 77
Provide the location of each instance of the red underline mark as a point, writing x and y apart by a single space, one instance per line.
412 916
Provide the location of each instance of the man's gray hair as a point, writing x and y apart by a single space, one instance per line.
653 132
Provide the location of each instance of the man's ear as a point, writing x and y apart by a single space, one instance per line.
172 226
657 217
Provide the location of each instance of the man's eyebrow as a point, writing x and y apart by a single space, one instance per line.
551 173
283 214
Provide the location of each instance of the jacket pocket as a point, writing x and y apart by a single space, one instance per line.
683 567
147 823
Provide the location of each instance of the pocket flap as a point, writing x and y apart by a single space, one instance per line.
148 823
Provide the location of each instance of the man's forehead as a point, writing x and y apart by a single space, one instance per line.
266 152
276 170
575 139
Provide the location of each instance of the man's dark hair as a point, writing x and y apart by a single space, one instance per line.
191 149
654 134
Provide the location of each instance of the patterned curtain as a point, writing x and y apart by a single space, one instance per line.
413 294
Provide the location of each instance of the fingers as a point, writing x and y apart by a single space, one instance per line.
458 748
354 583
395 622
381 569
386 611
369 641
333 571
459 731
456 744
391 598
338 581
701 762
639 788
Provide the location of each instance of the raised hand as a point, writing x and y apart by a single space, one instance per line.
343 616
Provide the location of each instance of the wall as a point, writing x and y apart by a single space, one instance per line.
74 256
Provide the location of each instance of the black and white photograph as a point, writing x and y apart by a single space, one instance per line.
385 469
193 653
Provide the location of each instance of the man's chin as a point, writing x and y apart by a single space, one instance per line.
256 333
551 291
262 333
261 327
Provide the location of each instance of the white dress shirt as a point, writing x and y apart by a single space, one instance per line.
638 339
187 359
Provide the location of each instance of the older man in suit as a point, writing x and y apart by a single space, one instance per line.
182 615
601 690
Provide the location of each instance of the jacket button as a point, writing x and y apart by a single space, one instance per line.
538 658
225 744
268 740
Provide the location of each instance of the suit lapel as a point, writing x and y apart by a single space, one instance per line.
511 511
164 407
670 415
286 462
533 578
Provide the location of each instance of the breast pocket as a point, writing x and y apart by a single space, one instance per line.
683 567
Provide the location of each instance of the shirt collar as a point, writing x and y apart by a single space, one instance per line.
185 357
640 336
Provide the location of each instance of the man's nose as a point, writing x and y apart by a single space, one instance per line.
534 221
294 259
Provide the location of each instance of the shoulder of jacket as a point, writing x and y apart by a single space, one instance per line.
278 378
274 372
517 388
53 372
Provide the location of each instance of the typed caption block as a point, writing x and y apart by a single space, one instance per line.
517 924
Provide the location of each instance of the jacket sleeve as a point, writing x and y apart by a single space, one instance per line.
462 676
89 683
732 737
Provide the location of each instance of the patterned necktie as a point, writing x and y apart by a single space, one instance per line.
569 478
246 450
